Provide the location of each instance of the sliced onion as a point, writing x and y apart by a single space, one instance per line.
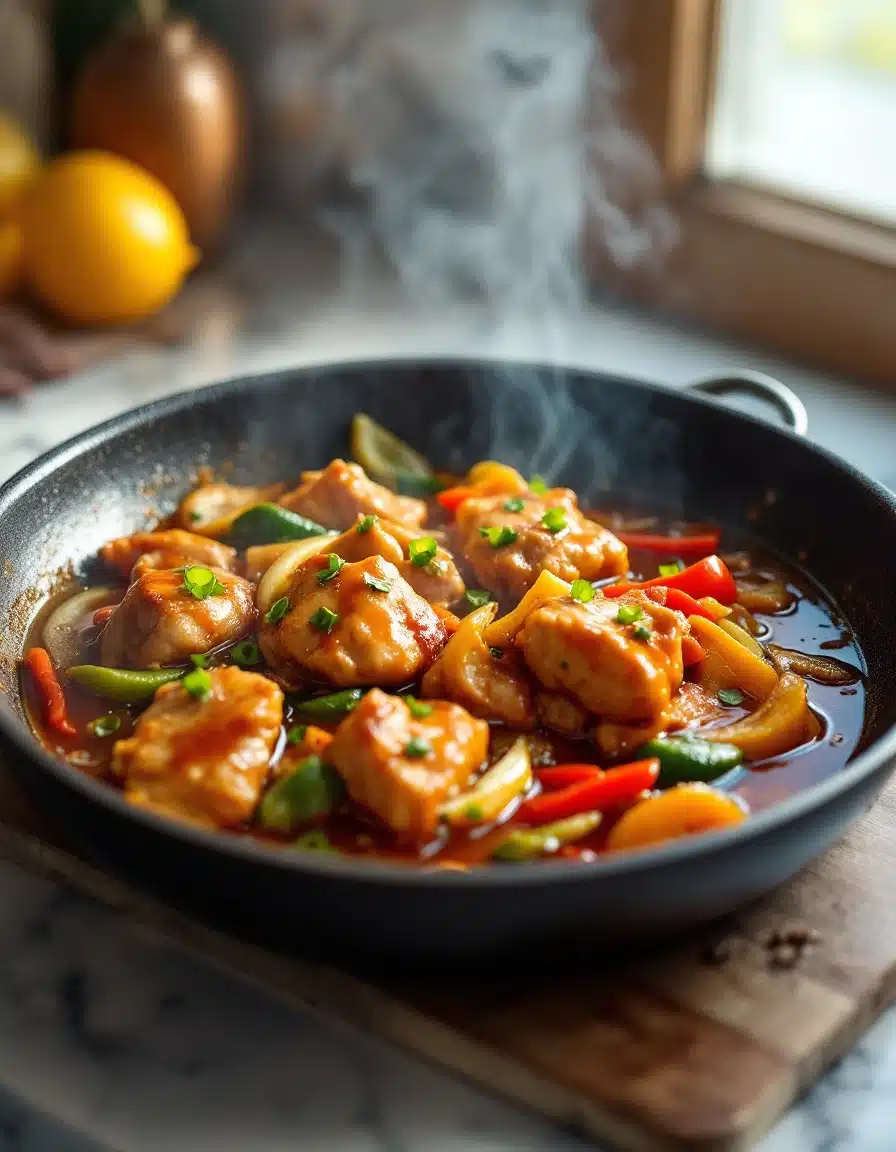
821 669
276 580
65 626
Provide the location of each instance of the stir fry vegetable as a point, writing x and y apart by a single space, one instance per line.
378 659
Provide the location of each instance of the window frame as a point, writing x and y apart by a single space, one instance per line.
797 278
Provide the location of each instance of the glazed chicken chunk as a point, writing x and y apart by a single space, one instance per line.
350 624
336 496
436 580
161 622
403 767
203 760
509 541
132 556
620 670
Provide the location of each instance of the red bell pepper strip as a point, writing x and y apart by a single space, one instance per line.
691 651
451 498
709 577
566 774
671 545
52 698
612 789
678 601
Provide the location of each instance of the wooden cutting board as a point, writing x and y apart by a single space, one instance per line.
682 1049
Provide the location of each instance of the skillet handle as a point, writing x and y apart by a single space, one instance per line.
749 383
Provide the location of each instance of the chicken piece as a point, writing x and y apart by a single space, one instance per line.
211 508
489 683
437 581
552 535
132 556
365 625
403 767
160 622
614 670
203 760
560 713
336 496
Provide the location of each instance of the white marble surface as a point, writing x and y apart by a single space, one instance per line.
111 1039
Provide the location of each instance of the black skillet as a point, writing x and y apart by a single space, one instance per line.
597 434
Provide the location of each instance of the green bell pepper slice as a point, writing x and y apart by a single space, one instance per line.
271 524
530 843
312 790
329 708
124 685
688 759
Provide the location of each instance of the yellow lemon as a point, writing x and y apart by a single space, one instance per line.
10 256
19 161
105 242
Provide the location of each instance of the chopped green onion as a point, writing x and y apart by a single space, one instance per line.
377 583
538 485
324 620
335 564
582 590
365 525
671 569
499 537
641 632
315 841
104 725
554 519
422 550
477 597
199 660
198 683
496 653
436 567
629 613
473 812
514 504
246 654
277 610
296 734
418 708
195 517
416 748
201 582
731 697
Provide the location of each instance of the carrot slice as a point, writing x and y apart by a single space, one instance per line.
52 698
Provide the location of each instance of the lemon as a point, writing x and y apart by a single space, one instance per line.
105 242
10 256
19 162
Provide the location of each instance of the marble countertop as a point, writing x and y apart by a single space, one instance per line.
110 1038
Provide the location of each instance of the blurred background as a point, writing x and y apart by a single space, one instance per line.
172 172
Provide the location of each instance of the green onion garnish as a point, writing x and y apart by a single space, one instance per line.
277 610
335 564
199 660
629 613
198 683
246 654
477 597
422 551
416 748
296 733
324 620
195 517
671 569
538 485
499 537
496 653
104 725
201 582
418 708
315 841
514 505
365 525
376 583
554 519
473 812
641 632
582 590
731 697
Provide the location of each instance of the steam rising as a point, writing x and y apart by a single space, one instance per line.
472 141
